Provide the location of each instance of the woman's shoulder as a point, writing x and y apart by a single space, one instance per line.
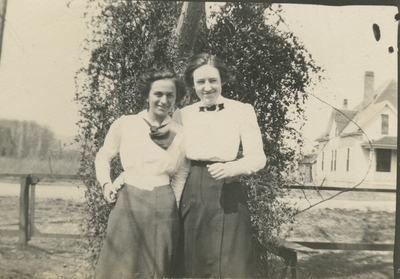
182 114
238 104
127 119
192 107
176 127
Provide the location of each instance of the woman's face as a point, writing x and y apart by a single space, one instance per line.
162 97
207 84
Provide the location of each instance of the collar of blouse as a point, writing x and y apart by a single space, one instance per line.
219 100
145 115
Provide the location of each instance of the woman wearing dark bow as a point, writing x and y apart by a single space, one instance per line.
142 231
216 219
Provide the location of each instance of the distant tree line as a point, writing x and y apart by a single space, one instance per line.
23 139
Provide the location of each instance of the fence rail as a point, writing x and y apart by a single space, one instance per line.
27 227
335 188
44 175
347 246
285 249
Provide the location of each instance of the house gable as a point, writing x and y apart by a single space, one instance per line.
388 93
365 118
359 145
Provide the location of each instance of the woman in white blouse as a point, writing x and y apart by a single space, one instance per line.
142 230
216 219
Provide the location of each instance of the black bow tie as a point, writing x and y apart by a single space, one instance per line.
212 108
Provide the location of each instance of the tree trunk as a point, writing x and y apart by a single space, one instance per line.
191 21
3 5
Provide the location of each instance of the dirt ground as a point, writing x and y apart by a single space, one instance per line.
345 226
47 258
43 257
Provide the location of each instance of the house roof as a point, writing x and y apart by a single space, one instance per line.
384 142
308 159
384 95
342 118
386 92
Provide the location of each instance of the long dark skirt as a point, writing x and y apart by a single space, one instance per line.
142 235
217 228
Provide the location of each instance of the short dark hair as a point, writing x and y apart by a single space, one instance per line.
202 59
146 80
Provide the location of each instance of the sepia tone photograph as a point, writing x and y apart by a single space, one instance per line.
170 139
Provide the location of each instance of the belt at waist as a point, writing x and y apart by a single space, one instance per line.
202 163
146 182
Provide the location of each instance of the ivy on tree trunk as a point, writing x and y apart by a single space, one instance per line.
191 19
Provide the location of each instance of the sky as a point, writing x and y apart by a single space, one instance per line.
43 47
341 41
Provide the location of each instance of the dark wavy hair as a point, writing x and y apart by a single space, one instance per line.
145 81
202 59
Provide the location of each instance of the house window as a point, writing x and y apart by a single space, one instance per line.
385 124
348 160
322 161
383 160
334 160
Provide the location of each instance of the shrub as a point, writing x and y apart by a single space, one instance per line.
272 71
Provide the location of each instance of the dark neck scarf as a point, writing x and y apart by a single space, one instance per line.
212 108
161 135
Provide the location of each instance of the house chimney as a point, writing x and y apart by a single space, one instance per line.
368 88
345 103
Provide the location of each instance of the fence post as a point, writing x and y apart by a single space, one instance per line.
24 210
32 201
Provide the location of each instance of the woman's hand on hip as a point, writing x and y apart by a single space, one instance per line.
219 171
110 191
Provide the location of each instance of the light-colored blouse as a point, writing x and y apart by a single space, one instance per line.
146 165
216 135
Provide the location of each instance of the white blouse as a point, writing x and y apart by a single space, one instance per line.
216 135
146 165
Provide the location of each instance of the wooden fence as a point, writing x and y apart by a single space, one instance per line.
289 250
285 249
27 202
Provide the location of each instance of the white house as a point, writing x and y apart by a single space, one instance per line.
359 146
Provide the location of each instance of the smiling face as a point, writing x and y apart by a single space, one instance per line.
161 99
207 84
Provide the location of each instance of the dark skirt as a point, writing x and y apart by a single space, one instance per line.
142 235
217 228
